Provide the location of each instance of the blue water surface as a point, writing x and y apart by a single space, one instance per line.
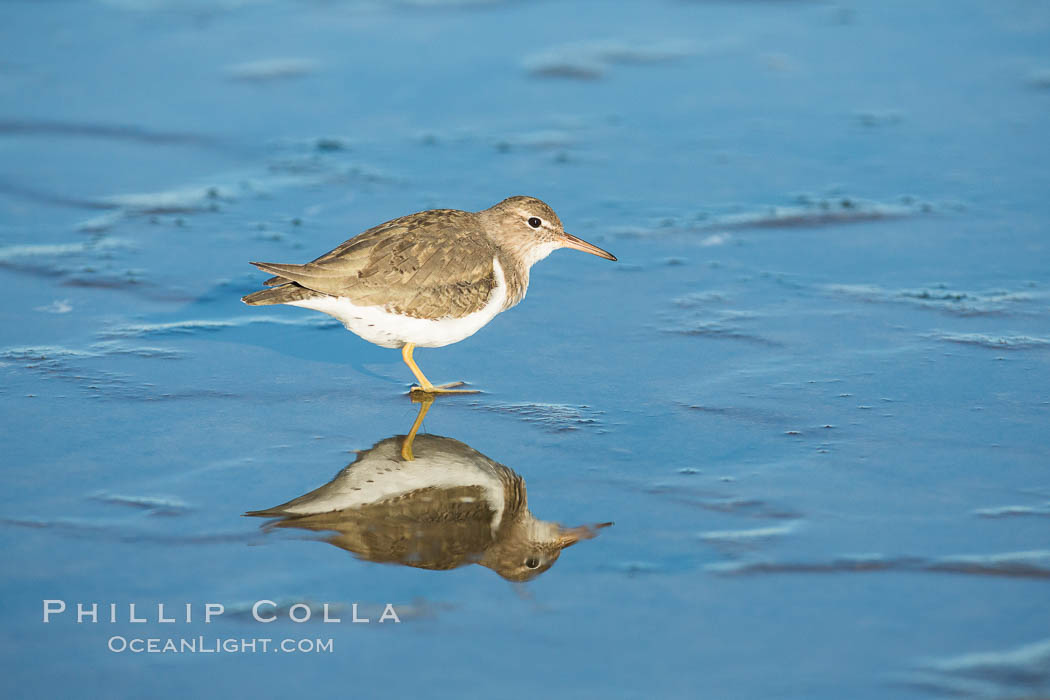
813 394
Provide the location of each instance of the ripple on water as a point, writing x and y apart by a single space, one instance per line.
693 314
810 213
940 297
76 366
79 260
29 255
719 330
554 417
193 199
708 500
996 342
1029 564
93 263
58 306
692 317
813 212
761 416
57 353
1014 511
117 132
694 300
269 69
99 529
539 140
591 60
197 326
749 538
292 164
153 505
1021 672
66 364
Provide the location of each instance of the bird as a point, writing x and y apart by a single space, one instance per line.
427 279
443 506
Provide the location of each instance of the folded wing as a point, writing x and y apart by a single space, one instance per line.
425 267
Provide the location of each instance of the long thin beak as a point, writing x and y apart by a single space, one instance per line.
572 241
570 536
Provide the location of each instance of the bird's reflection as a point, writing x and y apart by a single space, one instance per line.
434 503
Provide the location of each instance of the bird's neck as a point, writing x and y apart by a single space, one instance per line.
515 503
515 276
516 261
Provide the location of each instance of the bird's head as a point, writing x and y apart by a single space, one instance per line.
531 229
532 546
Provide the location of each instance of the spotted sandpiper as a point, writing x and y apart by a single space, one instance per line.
427 279
441 506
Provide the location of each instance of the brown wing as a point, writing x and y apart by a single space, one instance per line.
427 265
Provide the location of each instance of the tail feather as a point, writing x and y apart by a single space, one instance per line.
275 269
283 294
278 269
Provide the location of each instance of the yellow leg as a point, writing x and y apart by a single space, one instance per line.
424 384
406 446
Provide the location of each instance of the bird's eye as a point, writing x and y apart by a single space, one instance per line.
535 222
532 562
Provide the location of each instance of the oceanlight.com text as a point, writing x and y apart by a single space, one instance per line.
218 645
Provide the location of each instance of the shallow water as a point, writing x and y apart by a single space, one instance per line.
812 395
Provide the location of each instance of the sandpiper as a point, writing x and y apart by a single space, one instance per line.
427 279
440 505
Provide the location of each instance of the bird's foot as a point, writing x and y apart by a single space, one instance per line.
442 389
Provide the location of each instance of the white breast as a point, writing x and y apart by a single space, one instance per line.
390 330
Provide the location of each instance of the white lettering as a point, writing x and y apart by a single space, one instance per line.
389 614
51 609
259 604
82 612
353 608
131 615
304 606
213 609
